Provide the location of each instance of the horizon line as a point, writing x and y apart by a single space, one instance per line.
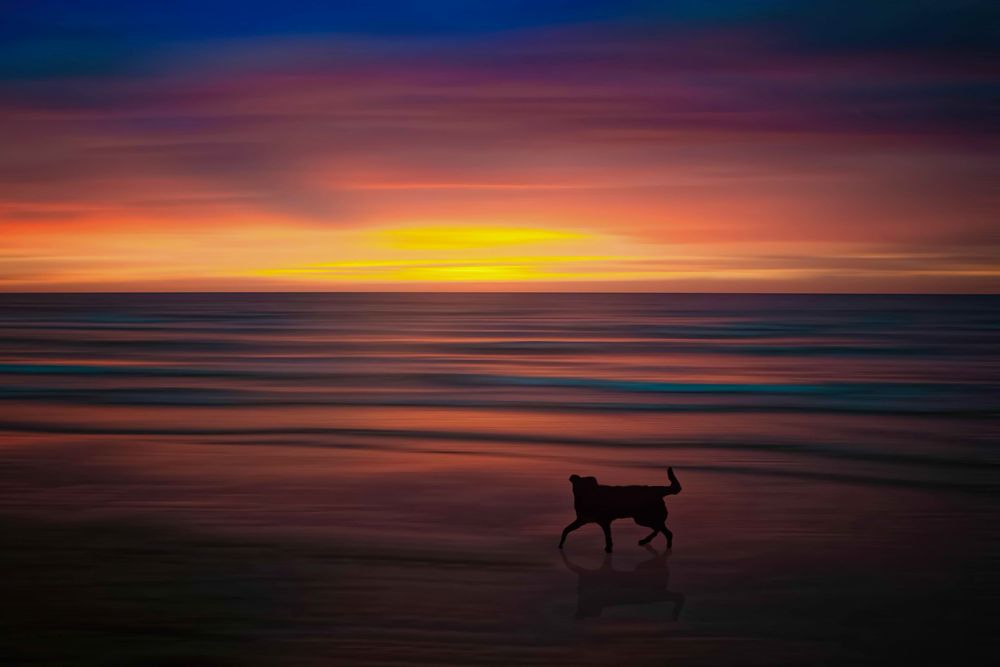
549 292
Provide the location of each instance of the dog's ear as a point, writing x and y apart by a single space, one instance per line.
574 478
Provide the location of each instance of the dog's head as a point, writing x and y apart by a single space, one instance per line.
582 484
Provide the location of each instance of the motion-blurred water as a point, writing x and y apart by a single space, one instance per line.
823 442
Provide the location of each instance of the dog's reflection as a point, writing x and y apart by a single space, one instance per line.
647 583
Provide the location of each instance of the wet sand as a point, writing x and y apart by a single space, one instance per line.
315 556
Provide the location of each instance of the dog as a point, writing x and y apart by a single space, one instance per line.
602 504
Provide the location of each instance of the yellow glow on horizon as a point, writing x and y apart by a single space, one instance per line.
483 252
497 269
510 270
266 253
460 237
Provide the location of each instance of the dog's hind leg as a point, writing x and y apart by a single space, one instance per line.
569 529
607 537
649 538
667 534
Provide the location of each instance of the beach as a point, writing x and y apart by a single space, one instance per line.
381 479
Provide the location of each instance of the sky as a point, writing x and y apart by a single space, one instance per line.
736 146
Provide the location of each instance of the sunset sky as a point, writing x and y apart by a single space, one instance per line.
571 145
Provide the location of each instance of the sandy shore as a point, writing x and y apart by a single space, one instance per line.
442 560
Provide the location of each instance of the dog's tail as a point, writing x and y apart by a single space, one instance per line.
675 485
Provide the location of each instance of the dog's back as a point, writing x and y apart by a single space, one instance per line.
602 501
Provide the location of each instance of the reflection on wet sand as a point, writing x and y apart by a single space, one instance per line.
647 583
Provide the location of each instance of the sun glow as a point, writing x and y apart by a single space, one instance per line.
496 269
457 237
452 253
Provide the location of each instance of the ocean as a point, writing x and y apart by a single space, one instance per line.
381 478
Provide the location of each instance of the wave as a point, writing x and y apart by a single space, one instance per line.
829 450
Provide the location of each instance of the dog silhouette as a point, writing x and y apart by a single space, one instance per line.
602 504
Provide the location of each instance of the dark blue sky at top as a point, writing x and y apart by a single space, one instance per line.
926 64
53 37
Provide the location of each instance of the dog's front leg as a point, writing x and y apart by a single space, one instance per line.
569 529
607 536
